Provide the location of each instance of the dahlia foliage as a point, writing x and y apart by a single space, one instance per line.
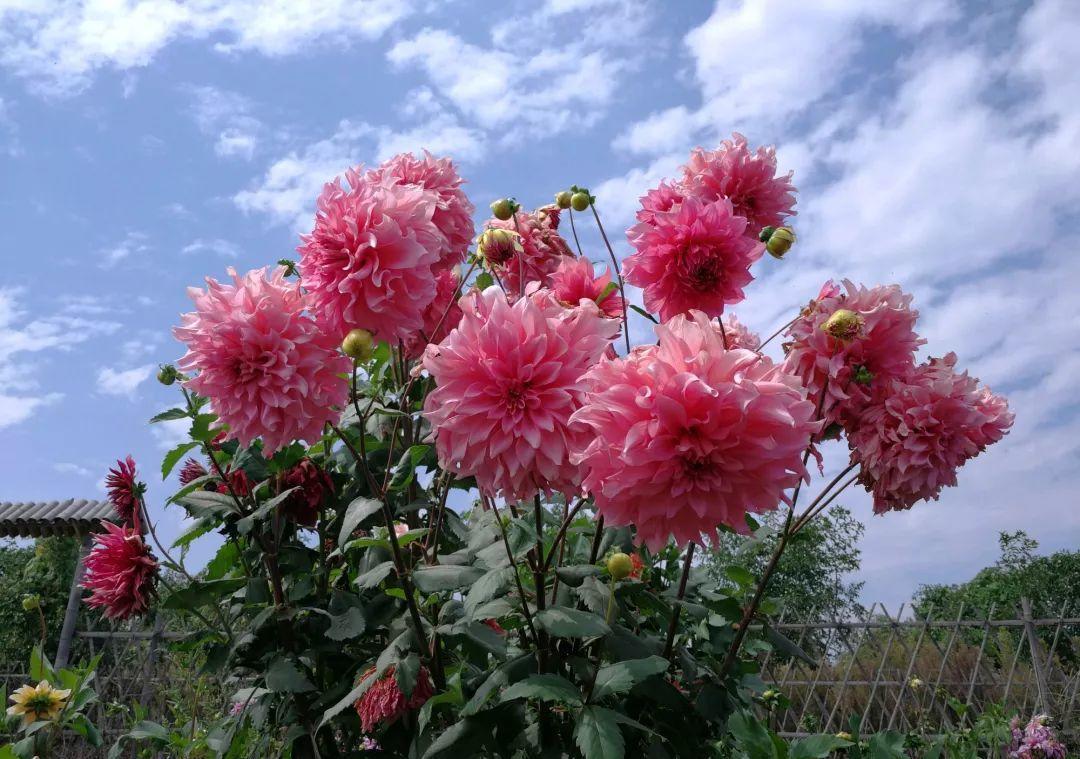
422 441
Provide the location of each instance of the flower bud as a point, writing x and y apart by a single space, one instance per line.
503 209
860 375
562 199
843 324
915 683
780 242
580 201
31 603
619 566
358 345
167 374
497 246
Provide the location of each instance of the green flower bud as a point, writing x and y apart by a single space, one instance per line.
619 566
843 324
861 375
358 345
563 199
31 603
766 233
580 201
167 374
780 242
503 209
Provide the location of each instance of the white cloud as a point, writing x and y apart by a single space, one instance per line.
58 45
170 434
65 467
226 116
133 242
123 382
217 246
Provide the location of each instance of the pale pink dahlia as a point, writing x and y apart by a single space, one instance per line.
120 572
507 380
695 256
576 280
453 209
268 369
368 263
441 315
541 248
747 178
922 429
686 436
738 335
880 347
384 703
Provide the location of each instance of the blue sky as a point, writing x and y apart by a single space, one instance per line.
936 143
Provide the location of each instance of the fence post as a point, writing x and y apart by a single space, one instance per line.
71 613
1042 705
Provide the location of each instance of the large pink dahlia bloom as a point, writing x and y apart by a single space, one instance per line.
694 256
507 380
368 263
747 178
268 369
881 346
541 250
453 209
120 572
441 315
924 427
576 280
686 436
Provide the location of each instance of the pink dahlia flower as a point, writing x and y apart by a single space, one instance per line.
747 178
384 703
541 251
120 572
507 380
738 335
576 280
660 200
686 436
313 488
191 471
269 370
882 347
925 427
441 316
368 263
453 209
124 489
695 256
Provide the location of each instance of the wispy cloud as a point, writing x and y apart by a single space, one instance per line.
227 117
123 382
133 243
217 246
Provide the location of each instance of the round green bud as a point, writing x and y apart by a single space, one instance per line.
167 374
619 566
780 242
31 603
358 345
843 324
562 199
502 209
580 201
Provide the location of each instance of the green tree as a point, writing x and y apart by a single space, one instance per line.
43 570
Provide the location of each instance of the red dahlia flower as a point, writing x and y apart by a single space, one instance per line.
120 572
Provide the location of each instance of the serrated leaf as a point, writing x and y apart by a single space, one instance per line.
751 736
787 646
169 415
597 734
571 623
348 624
375 575
199 594
174 456
505 673
624 675
437 578
285 676
223 561
816 747
451 737
739 575
355 513
576 574
491 585
405 674
544 688
644 313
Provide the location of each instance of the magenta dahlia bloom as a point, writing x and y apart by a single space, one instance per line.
124 489
576 280
738 335
453 209
191 471
694 257
540 251
880 346
368 263
659 200
120 572
268 369
747 178
441 315
922 429
384 703
686 436
507 380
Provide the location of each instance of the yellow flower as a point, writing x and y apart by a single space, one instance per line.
37 703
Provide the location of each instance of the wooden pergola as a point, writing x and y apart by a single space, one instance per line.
75 517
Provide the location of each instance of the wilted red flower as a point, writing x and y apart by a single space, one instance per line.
240 482
383 702
191 471
637 564
494 625
120 572
313 486
124 489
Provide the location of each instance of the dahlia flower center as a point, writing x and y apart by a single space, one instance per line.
248 369
517 397
701 269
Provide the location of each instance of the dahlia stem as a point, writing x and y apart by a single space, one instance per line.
573 228
560 537
521 260
674 623
723 332
438 517
517 577
812 513
597 537
618 276
777 332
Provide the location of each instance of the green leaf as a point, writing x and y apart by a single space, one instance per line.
492 584
442 577
355 513
787 646
751 736
624 675
375 575
597 734
644 313
571 623
284 676
147 730
174 456
457 733
816 747
347 625
739 575
484 280
40 666
200 428
199 594
224 560
169 415
544 688
202 502
405 674
84 727
887 745
574 575
506 672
